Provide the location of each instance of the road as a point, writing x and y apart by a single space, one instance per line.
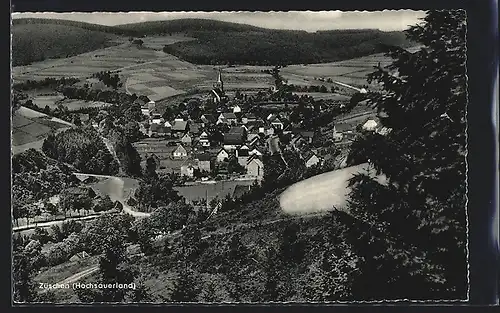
57 222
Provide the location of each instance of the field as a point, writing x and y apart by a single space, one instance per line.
30 128
117 189
322 192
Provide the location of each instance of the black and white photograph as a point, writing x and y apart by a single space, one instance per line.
239 157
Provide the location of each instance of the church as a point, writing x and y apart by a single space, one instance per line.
217 93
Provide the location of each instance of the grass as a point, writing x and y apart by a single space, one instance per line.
219 189
60 272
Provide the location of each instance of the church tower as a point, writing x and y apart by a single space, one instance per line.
220 84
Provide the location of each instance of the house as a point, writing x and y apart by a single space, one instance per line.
251 137
157 119
180 152
79 256
339 130
311 159
383 131
186 139
236 109
233 141
242 155
204 141
269 131
204 162
227 118
179 127
158 130
222 155
167 124
370 125
255 167
188 168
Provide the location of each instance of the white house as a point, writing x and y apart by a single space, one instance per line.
167 124
255 168
370 125
311 159
222 155
180 152
188 168
186 139
204 141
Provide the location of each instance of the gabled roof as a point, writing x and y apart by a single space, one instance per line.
308 155
179 125
222 150
181 149
209 117
254 158
191 163
243 153
250 116
186 135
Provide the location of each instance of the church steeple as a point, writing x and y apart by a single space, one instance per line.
220 83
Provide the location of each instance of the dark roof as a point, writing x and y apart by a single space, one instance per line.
179 125
229 115
204 157
243 153
233 139
342 127
250 116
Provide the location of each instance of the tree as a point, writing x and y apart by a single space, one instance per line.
417 218
186 287
24 286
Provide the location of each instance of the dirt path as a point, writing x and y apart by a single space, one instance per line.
76 277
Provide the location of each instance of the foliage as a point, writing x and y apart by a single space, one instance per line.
418 216
155 192
108 79
83 148
32 43
96 235
271 47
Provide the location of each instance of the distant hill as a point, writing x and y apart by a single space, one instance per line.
32 42
231 43
217 42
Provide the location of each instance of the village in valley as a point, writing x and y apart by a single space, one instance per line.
199 160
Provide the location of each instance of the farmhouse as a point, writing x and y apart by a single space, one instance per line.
311 159
188 168
277 124
186 139
222 155
179 127
339 130
255 167
159 130
180 152
204 162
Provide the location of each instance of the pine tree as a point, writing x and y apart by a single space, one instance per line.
411 229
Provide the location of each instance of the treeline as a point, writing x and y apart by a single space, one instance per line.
272 47
48 82
108 96
83 148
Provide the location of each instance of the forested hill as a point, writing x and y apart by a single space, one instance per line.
217 42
